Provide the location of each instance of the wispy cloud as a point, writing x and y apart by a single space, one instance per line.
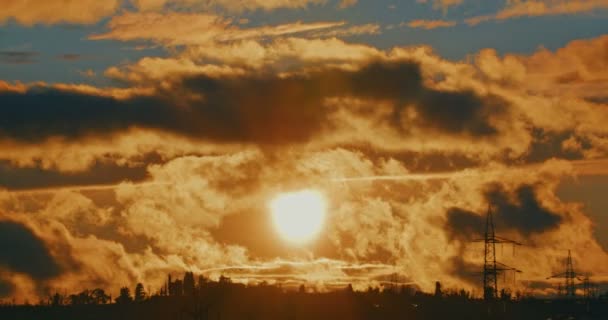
70 57
230 5
186 28
442 4
430 24
57 11
18 57
348 31
535 8
347 3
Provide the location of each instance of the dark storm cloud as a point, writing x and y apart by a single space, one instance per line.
428 162
520 211
526 214
466 271
18 57
547 145
14 178
22 251
463 223
260 109
297 102
41 113
597 99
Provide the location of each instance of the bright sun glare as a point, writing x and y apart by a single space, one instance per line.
299 216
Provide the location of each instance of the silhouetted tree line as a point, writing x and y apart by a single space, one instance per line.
199 298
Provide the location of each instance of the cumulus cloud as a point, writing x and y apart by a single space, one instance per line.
374 229
284 54
387 124
573 76
259 109
409 148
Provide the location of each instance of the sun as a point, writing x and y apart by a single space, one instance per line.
299 216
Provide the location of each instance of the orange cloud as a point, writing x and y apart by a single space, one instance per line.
294 105
231 5
573 128
526 82
347 3
190 28
430 24
567 84
398 139
282 55
574 71
370 28
145 231
442 4
30 12
317 53
535 8
17 87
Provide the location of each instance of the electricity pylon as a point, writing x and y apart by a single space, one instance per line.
491 267
590 289
570 276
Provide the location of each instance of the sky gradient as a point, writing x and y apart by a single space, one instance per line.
144 137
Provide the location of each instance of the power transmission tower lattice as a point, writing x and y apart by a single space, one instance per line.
570 276
491 267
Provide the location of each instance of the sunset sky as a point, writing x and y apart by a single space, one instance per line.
300 141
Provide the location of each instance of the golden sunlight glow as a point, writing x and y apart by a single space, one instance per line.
299 216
